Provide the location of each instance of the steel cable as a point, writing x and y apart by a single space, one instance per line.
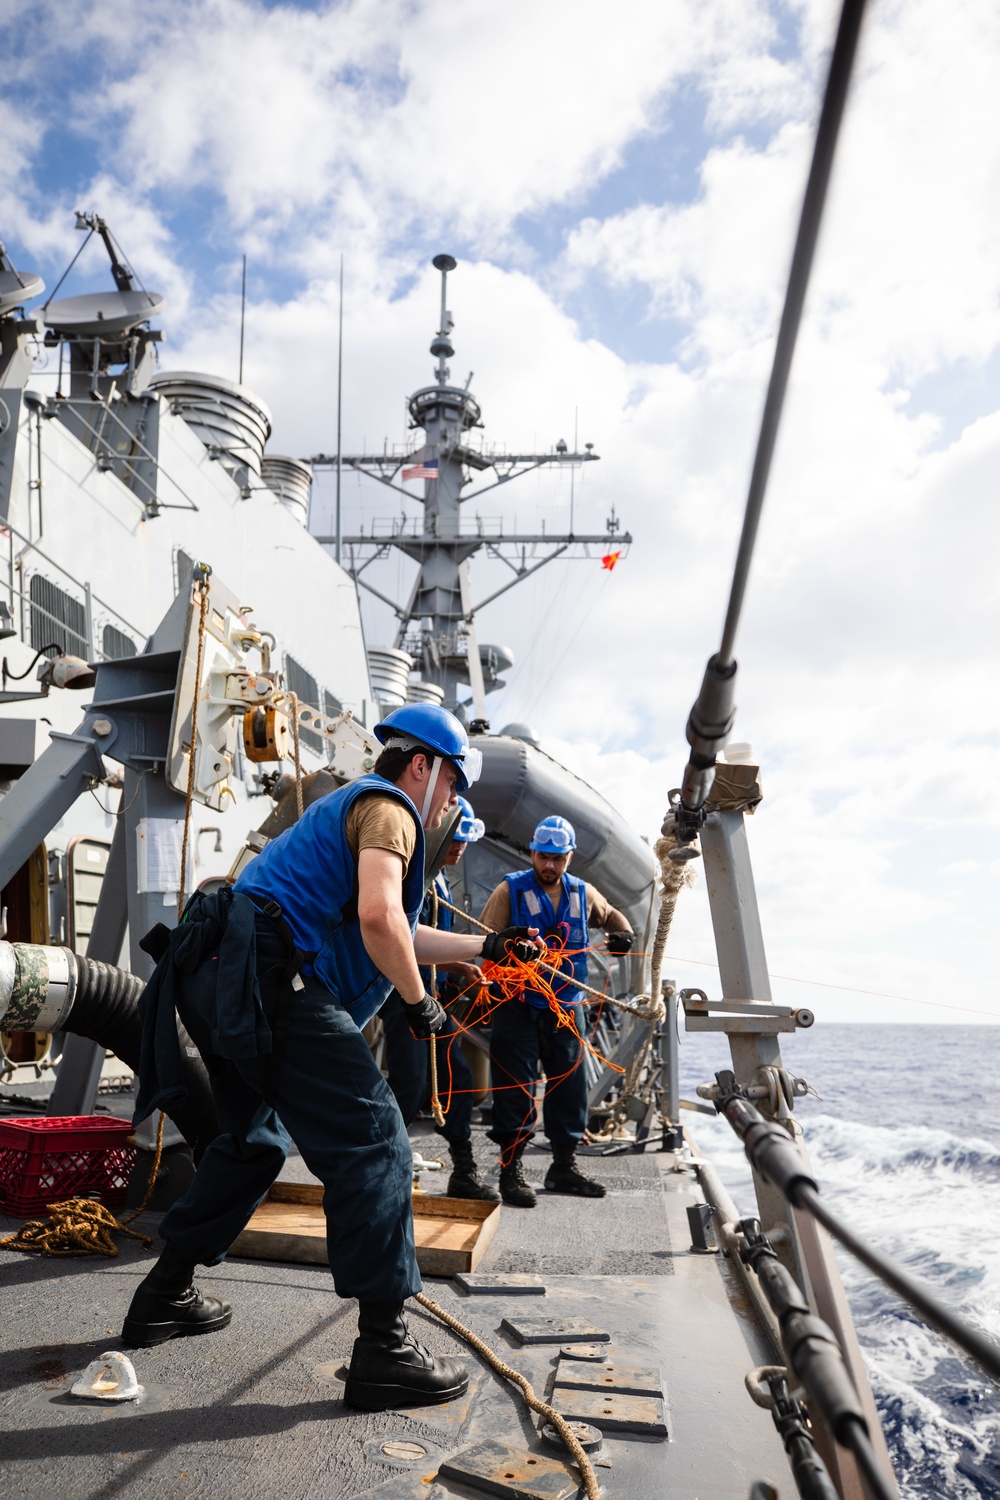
711 718
841 65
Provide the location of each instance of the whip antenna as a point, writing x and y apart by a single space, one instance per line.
711 718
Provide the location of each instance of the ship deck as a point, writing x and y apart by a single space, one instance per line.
255 1411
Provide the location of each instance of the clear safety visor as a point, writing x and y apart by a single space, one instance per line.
470 830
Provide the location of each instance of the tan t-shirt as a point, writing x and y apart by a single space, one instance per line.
379 822
496 912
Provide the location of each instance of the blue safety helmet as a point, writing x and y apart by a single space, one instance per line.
427 726
554 836
469 829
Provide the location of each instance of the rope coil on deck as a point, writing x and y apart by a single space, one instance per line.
80 1226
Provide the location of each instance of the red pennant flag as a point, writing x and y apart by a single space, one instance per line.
609 560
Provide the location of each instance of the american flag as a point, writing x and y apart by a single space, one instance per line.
428 469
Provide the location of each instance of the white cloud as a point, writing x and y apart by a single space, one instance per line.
373 117
868 656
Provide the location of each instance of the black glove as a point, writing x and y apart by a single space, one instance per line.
425 1018
620 942
512 942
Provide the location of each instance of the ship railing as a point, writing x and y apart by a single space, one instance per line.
812 1350
772 1152
51 606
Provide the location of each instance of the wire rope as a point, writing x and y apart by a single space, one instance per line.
711 718
817 187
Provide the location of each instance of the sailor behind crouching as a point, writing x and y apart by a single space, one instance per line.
526 1032
273 981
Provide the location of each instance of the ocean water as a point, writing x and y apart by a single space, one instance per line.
905 1144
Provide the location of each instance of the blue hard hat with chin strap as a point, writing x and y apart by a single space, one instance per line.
469 829
428 726
554 836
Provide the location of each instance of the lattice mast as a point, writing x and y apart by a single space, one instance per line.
437 625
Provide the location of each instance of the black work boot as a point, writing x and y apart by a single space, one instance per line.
564 1176
465 1181
389 1368
167 1305
515 1188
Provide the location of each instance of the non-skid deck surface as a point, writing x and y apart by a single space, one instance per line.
255 1412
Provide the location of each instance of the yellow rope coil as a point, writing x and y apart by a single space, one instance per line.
79 1226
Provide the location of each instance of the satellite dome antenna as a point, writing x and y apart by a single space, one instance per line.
441 346
16 287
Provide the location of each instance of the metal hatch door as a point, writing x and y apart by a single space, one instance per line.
86 865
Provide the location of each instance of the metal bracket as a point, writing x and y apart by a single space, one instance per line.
754 1016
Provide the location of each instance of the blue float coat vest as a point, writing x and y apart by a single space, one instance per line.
531 907
312 874
445 920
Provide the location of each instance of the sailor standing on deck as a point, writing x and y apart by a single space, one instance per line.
274 979
408 1059
525 1031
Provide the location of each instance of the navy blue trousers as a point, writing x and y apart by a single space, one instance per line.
522 1037
332 1101
409 1071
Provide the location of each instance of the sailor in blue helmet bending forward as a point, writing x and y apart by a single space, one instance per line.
273 979
526 1032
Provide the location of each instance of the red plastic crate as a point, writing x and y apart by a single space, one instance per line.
45 1161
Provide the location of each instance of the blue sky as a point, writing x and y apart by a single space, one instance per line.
622 198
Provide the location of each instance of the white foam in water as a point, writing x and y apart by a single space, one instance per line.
927 1196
